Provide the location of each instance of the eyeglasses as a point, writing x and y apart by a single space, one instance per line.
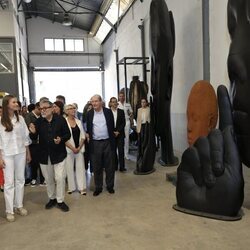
70 108
45 108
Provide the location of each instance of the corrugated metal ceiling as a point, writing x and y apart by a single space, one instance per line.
82 13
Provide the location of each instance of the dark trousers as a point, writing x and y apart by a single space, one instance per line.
119 146
35 165
102 157
86 156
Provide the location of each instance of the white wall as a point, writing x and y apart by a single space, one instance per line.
12 24
6 24
219 42
40 28
188 58
21 46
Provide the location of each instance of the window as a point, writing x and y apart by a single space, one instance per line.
59 45
68 45
78 45
49 44
6 58
112 16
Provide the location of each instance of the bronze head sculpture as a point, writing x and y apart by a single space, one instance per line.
202 111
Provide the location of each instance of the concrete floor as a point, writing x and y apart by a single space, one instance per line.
138 216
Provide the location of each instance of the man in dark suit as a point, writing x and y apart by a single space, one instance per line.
120 122
31 117
100 133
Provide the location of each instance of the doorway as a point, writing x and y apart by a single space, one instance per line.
77 87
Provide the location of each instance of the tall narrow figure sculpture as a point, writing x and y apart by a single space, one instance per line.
162 38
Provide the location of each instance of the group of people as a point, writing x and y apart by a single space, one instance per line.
54 141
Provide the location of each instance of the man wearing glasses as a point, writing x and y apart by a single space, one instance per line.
52 132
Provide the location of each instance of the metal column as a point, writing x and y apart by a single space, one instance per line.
206 40
126 84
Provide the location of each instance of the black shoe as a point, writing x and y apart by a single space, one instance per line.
63 206
27 182
123 170
97 192
111 190
50 204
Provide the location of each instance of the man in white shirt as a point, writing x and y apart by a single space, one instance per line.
100 133
126 107
119 119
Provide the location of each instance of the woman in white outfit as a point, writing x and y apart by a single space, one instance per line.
75 149
143 115
14 151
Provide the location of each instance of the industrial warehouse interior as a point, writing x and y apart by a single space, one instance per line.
82 49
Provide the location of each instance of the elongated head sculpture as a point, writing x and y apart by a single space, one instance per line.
239 72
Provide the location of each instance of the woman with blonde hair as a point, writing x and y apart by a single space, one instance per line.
14 152
75 149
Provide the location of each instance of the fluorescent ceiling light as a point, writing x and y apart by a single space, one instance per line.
66 21
27 1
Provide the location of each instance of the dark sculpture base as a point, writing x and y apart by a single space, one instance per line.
208 215
172 178
144 173
173 163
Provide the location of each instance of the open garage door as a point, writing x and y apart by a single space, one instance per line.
77 87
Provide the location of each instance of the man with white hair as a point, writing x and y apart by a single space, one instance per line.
100 133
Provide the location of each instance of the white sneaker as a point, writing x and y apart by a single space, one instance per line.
10 217
21 211
33 183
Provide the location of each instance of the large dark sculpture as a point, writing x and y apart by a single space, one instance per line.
137 91
209 178
227 181
162 36
146 147
239 72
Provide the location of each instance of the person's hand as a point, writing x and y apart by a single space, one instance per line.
57 140
2 163
87 137
76 150
116 133
209 178
32 128
28 157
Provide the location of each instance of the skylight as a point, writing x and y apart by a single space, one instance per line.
112 16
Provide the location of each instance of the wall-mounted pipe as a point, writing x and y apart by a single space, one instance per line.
206 40
143 53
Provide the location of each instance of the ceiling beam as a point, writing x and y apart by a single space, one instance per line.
74 18
52 12
94 11
61 6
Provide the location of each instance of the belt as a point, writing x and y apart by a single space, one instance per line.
102 140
